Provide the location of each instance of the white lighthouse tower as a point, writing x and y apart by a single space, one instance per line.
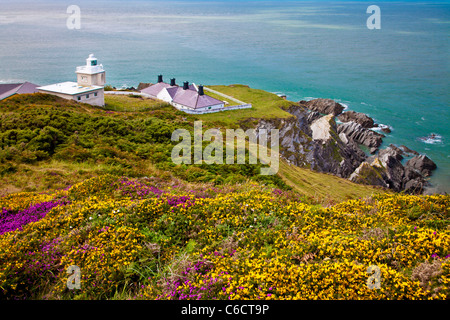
89 87
92 74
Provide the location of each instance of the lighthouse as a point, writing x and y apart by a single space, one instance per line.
89 87
91 74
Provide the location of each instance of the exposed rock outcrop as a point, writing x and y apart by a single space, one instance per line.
408 151
322 127
399 153
371 174
312 116
324 106
361 118
143 85
422 164
393 168
309 139
361 135
387 166
386 129
316 145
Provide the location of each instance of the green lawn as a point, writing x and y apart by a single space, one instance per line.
265 105
131 103
221 98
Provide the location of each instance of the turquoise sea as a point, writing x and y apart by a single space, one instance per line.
398 74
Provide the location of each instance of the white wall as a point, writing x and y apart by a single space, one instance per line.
98 100
164 95
97 79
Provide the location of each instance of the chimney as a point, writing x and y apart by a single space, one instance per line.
172 82
160 79
200 91
185 85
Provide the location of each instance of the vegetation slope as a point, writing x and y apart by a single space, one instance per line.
96 188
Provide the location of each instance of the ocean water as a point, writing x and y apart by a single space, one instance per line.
399 74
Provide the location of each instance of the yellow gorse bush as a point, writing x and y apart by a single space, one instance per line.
251 243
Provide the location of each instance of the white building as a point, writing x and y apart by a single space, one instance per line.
189 97
89 87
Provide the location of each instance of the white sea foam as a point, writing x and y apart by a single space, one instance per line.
433 138
381 127
344 105
309 98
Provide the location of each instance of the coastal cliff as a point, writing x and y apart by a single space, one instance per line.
312 138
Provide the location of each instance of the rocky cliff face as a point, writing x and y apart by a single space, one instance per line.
326 106
360 118
311 139
361 135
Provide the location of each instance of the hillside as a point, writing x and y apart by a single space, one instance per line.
50 143
160 239
96 188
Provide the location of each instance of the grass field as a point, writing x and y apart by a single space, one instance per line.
324 188
265 105
229 102
131 103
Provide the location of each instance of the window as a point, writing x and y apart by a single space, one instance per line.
95 94
87 96
79 98
93 62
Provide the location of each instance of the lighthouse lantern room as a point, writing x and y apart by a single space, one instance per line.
91 74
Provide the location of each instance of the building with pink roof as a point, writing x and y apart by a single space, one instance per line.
10 89
188 97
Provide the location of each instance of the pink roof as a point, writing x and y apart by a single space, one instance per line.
28 87
191 98
7 90
172 91
153 90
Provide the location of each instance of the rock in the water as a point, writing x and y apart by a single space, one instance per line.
411 174
392 151
386 129
397 150
361 135
386 169
423 164
325 106
408 150
364 120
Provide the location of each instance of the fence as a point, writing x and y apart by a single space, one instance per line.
241 106
127 93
